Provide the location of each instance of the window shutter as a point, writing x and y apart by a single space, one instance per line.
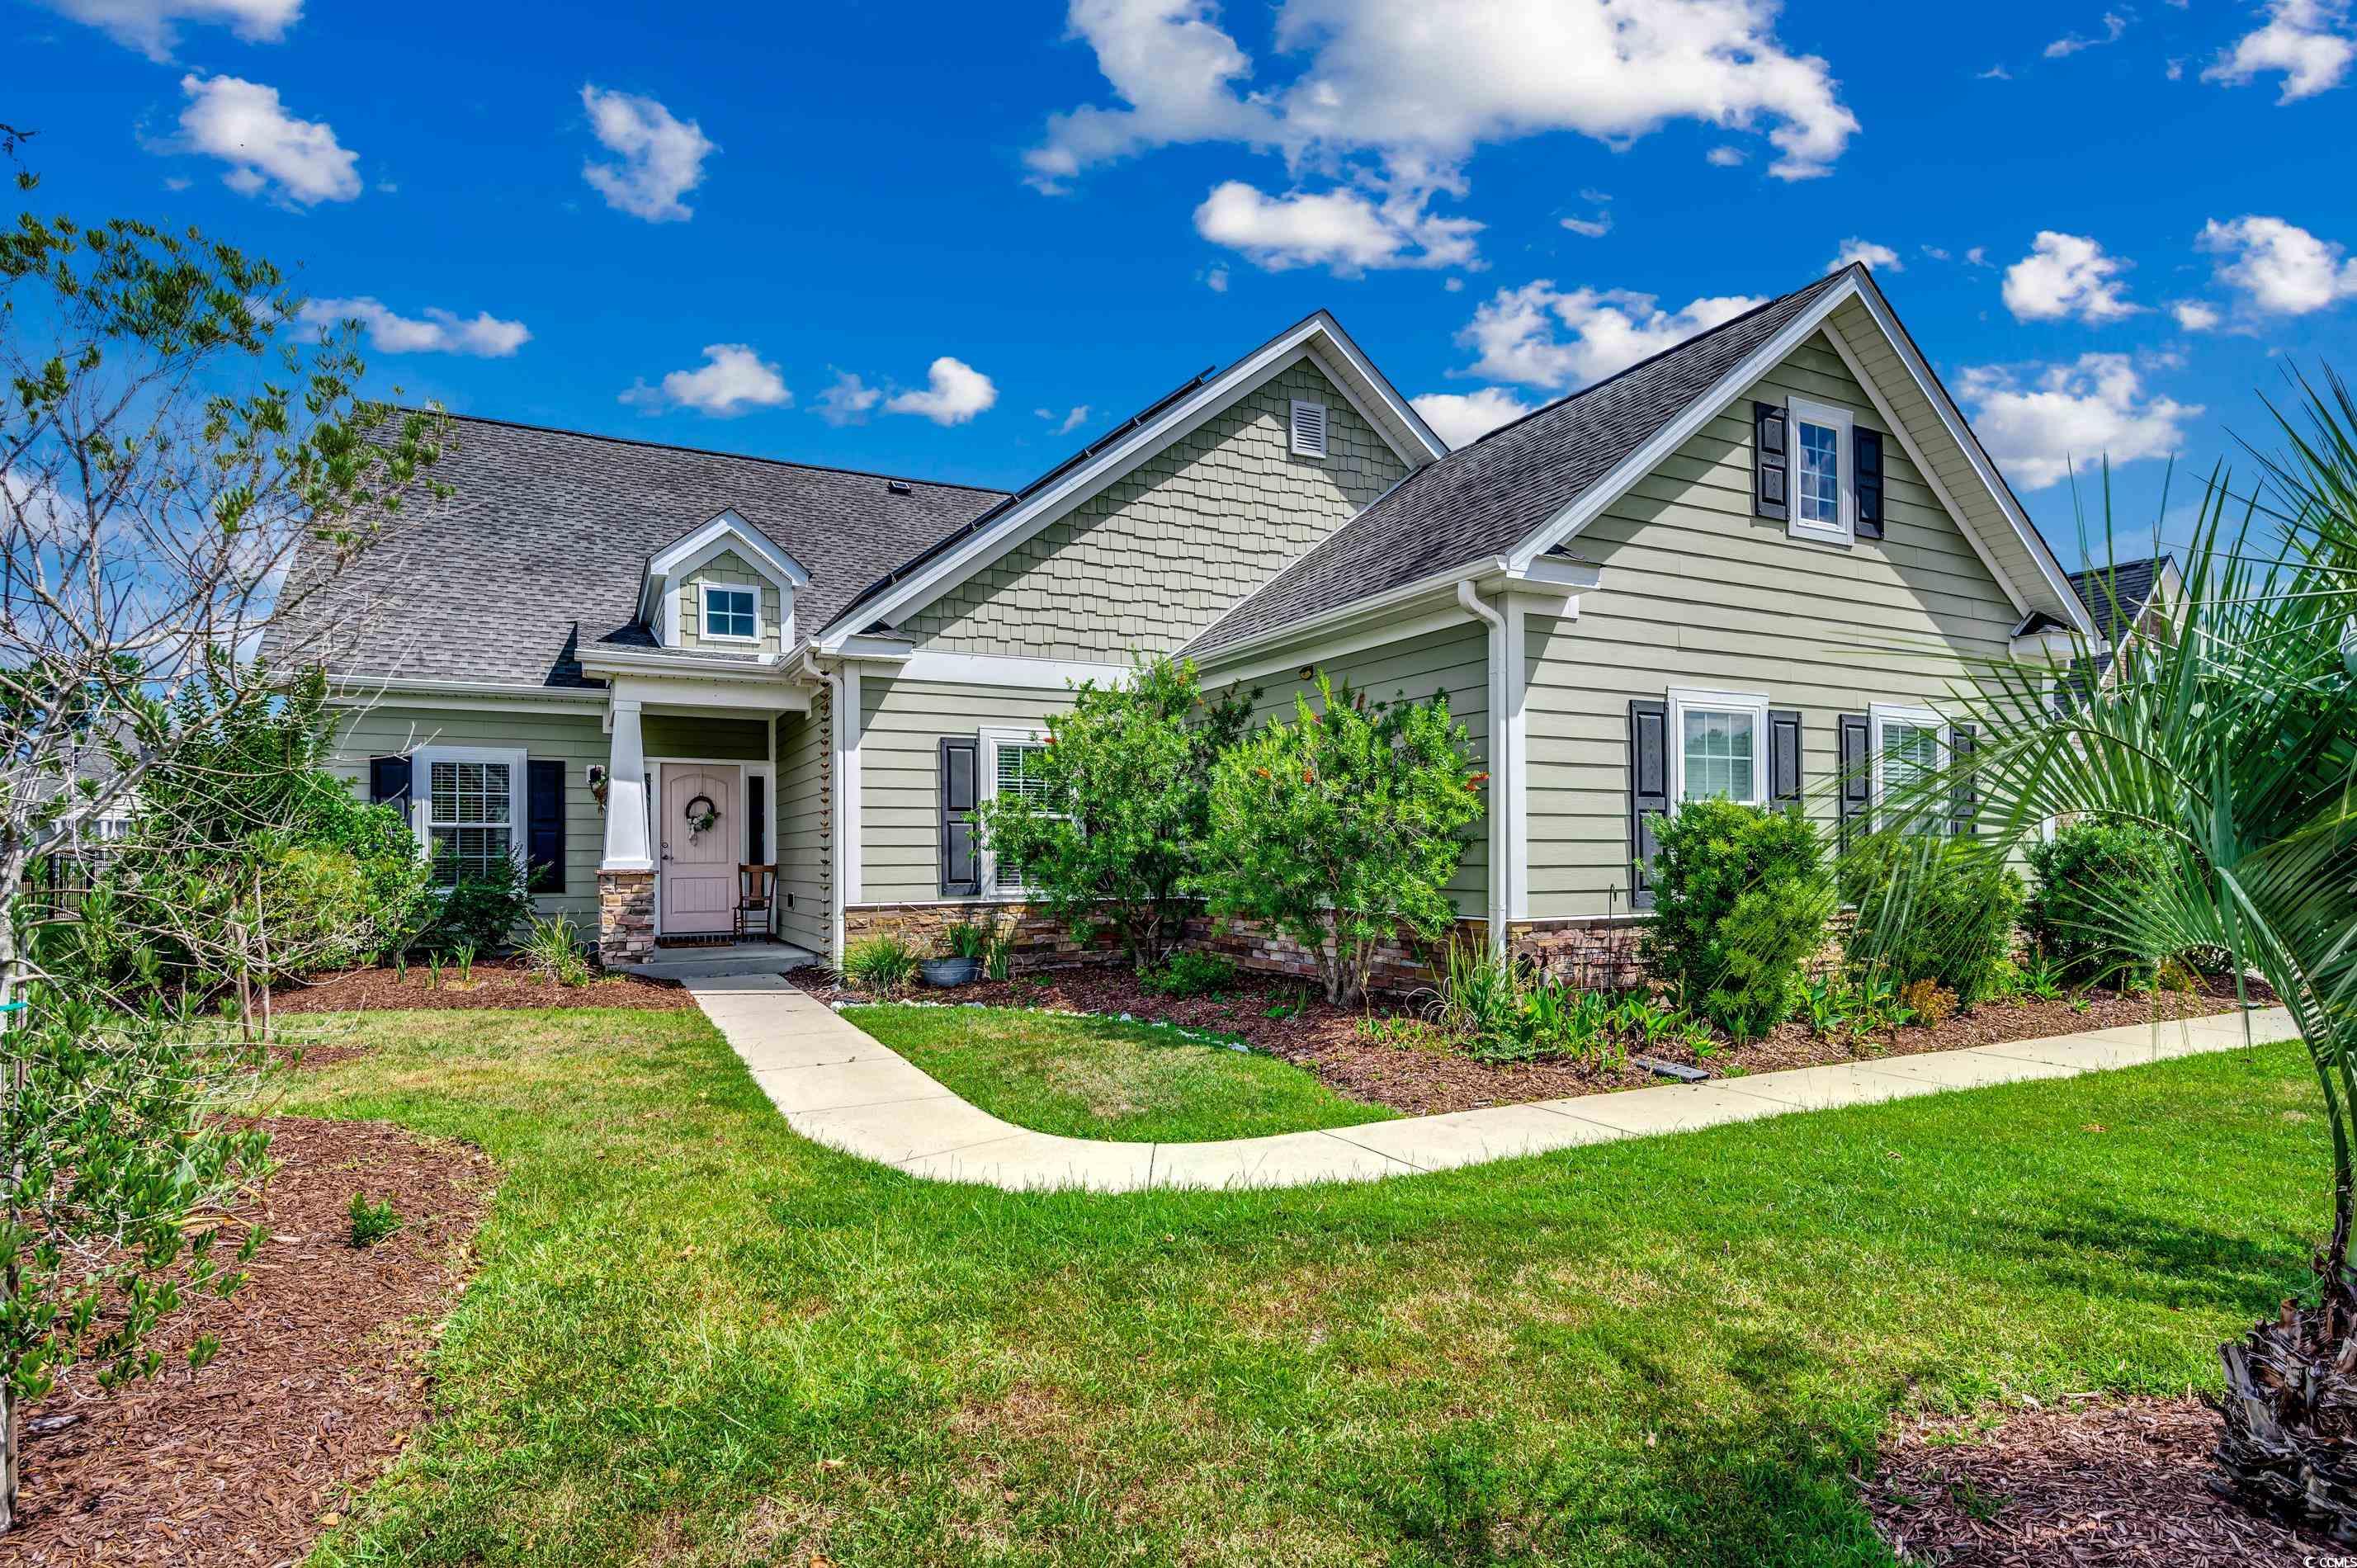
961 763
545 823
1649 791
1783 758
1963 789
1308 429
1770 459
1857 795
389 781
1870 482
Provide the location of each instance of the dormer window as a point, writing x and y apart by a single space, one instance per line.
724 582
731 614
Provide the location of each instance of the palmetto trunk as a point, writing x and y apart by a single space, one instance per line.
2289 1447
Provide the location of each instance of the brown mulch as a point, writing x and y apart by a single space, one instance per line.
2090 1485
494 983
318 1381
1424 1078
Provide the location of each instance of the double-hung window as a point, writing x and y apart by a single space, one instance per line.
1013 763
1911 745
1718 746
731 614
470 805
1824 490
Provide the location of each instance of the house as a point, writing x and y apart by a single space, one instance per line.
1734 568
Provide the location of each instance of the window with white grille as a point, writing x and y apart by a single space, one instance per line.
1308 429
470 818
1013 763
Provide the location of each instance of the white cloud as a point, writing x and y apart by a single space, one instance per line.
1462 418
956 393
2280 268
1936 252
2306 41
2071 43
241 123
2192 316
152 26
848 402
2078 413
1215 277
1995 73
1726 157
1856 250
440 332
1067 423
1341 229
1520 332
2174 70
1454 286
660 156
1978 257
1594 227
733 379
2067 276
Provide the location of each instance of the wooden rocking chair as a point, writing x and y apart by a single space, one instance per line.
757 899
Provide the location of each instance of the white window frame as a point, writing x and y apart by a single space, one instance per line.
1880 716
1684 699
704 592
991 739
421 794
1293 428
1802 411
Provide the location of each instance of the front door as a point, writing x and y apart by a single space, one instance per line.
699 865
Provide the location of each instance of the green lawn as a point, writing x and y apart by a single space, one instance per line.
1095 1078
697 1338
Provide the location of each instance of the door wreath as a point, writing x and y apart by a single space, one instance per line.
701 816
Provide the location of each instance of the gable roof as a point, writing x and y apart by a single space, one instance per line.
1525 488
2117 595
543 550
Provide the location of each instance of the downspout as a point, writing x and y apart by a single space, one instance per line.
837 863
1500 782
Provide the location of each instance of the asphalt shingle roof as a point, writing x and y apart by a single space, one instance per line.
543 550
2117 604
1483 499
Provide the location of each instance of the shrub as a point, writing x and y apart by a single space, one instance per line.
1190 975
1342 826
1932 1003
552 950
881 965
372 1222
1741 903
1502 1009
1930 908
478 912
1117 827
2091 877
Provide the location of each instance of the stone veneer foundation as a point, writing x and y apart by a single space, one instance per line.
625 917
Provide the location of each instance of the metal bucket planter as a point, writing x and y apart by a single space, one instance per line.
952 971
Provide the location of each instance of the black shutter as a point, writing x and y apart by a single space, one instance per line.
1771 460
961 765
389 781
1857 795
1783 758
1649 791
545 823
1870 482
1963 789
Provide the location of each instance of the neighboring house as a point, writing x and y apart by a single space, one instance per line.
1730 569
2132 602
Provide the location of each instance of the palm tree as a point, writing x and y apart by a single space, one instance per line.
2233 736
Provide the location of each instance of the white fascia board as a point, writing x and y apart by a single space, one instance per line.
1480 571
888 649
686 667
1174 422
725 531
660 693
491 696
1002 670
1340 646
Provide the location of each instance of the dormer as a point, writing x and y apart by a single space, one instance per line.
726 588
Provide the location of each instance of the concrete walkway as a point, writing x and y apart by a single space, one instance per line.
839 1087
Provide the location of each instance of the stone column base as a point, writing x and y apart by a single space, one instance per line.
625 917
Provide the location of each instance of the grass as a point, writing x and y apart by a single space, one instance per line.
697 1338
1096 1078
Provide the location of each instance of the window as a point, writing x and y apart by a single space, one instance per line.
470 805
1718 746
1911 744
732 613
1825 503
1308 429
1012 763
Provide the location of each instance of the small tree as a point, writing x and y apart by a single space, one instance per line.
1342 826
1741 902
1114 834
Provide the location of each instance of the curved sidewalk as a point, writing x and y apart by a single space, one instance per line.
838 1087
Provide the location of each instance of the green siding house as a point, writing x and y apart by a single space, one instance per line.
1735 568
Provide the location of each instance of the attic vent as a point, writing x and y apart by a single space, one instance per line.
897 487
1308 429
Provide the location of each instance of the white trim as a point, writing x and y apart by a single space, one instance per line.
1879 717
681 555
1037 512
849 723
1319 653
704 592
421 792
1003 670
464 696
1515 764
1843 530
1296 444
1681 698
989 738
684 665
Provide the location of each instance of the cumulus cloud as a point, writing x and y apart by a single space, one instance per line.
1540 337
733 379
1215 277
2279 268
848 402
1341 230
153 26
438 332
659 158
956 392
1856 250
2067 276
1726 157
2306 40
1067 423
2194 315
242 123
1462 418
2115 25
2041 422
1594 227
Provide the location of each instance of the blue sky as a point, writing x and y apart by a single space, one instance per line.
2110 228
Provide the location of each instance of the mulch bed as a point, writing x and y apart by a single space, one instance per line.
2087 1485
495 982
1423 1080
318 1381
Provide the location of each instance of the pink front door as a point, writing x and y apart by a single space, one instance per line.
699 869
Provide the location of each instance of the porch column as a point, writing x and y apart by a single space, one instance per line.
626 878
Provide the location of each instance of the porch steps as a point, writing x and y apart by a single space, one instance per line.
722 960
